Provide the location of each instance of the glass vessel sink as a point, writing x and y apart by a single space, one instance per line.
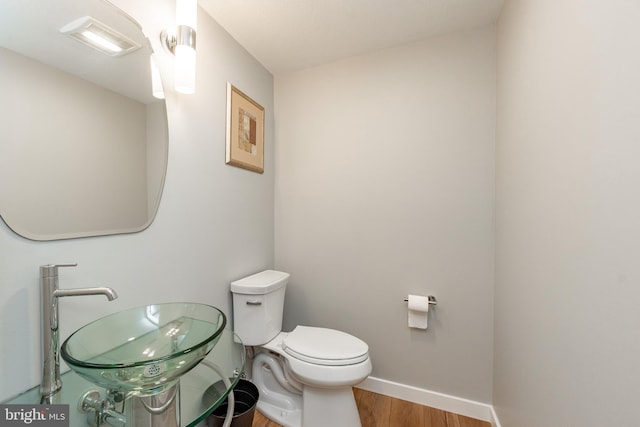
144 350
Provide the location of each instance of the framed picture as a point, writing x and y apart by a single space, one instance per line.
245 131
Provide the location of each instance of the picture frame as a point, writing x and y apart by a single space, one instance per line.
245 131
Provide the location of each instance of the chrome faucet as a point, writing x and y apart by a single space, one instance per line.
49 294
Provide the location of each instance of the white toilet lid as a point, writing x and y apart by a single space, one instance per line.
325 346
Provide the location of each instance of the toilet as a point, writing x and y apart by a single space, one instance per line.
304 376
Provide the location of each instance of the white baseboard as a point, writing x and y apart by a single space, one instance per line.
445 402
495 422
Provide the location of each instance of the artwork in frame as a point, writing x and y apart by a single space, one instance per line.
245 131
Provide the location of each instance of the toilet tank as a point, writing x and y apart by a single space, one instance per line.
258 303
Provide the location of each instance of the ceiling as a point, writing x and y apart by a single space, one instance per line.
285 35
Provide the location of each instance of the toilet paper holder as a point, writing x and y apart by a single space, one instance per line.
431 298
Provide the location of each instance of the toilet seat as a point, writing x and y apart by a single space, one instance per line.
326 347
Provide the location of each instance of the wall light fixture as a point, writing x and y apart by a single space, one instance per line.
181 41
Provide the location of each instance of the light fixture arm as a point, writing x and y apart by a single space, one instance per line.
182 35
168 40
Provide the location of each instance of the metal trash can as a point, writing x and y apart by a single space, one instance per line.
246 397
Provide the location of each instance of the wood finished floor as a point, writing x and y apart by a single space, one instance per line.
377 410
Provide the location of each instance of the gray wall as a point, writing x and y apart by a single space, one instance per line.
568 214
214 224
384 187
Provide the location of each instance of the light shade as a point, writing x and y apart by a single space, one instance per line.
185 49
185 69
187 13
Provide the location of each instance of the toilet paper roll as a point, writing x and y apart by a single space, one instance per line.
418 306
418 303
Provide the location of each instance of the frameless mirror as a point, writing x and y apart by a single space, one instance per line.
83 143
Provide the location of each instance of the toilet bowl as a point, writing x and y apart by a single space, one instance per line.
304 376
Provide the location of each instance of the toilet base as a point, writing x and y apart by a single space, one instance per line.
320 408
276 403
329 407
314 407
284 417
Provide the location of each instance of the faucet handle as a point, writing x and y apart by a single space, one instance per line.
51 270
